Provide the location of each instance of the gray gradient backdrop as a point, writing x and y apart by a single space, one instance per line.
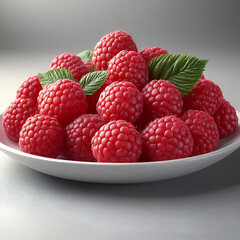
207 29
203 205
178 25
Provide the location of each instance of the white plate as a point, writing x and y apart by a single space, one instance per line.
120 172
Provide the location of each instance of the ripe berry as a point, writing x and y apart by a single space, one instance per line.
64 100
120 100
166 138
16 114
90 66
128 66
161 98
71 62
226 119
30 88
110 45
203 129
205 96
149 53
118 142
202 77
42 135
78 136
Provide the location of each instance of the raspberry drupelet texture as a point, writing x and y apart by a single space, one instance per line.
149 53
30 88
16 114
166 138
120 100
90 66
64 100
161 98
117 142
128 66
203 129
42 135
78 136
109 46
226 119
72 62
205 96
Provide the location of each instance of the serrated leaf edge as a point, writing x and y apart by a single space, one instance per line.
86 55
92 81
54 75
158 69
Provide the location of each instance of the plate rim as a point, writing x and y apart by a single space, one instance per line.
232 147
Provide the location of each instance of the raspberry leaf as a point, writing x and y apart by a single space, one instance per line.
181 70
86 55
53 75
92 81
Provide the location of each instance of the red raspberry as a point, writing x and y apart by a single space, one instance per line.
78 136
117 142
16 114
203 129
93 99
128 66
166 138
72 62
202 77
42 135
64 100
226 119
30 88
120 100
89 65
161 98
109 46
205 96
149 53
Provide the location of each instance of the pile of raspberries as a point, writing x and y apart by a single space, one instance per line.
129 119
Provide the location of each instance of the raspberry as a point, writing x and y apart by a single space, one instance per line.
42 135
30 88
64 100
117 141
72 62
128 66
226 119
93 99
15 116
149 53
89 65
202 77
120 100
161 98
205 96
109 46
166 138
203 129
78 136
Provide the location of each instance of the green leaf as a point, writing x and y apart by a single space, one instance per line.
86 55
182 70
92 81
53 75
